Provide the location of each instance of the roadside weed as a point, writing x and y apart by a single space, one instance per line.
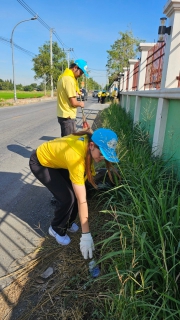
141 248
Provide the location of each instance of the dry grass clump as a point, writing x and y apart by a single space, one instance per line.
69 293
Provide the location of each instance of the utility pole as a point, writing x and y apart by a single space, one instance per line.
51 63
107 80
68 50
86 84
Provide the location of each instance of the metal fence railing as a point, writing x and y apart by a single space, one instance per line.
154 66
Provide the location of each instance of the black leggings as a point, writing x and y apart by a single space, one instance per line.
58 182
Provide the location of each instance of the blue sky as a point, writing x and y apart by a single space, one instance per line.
90 27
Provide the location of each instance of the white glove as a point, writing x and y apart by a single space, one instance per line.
86 245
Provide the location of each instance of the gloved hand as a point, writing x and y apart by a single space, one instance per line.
86 245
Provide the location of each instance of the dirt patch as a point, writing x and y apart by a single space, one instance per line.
70 293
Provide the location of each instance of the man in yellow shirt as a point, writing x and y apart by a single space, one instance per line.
67 89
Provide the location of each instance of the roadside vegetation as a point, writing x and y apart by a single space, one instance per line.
135 226
142 243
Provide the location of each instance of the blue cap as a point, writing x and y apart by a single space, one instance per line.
82 64
106 140
115 89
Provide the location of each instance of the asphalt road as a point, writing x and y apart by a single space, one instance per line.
25 207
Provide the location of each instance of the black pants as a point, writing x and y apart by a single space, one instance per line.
67 126
103 99
58 182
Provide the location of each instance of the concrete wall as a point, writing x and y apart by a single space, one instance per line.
132 105
158 111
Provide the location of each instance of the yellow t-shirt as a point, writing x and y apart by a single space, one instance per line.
99 94
103 94
68 153
114 94
66 88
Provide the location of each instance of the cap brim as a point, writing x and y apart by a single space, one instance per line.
110 156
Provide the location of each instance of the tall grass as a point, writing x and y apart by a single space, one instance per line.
141 251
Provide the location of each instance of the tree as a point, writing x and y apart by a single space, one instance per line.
19 87
89 83
122 50
40 87
6 85
92 85
28 88
42 65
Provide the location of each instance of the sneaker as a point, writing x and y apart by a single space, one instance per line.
64 240
74 228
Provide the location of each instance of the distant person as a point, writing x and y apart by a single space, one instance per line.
67 90
103 96
114 95
63 165
99 96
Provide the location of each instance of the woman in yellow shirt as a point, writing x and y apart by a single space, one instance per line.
63 165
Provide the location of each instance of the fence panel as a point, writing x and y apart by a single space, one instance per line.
154 66
135 76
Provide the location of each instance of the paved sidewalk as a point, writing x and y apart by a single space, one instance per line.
17 240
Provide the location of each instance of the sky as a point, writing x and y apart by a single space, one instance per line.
90 27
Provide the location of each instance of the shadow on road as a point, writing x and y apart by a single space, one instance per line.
22 151
24 219
26 151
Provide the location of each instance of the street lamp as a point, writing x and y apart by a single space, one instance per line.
163 29
12 46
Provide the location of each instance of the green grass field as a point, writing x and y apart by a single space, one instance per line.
5 95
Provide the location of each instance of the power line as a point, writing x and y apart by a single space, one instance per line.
18 47
57 37
97 70
96 76
33 13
